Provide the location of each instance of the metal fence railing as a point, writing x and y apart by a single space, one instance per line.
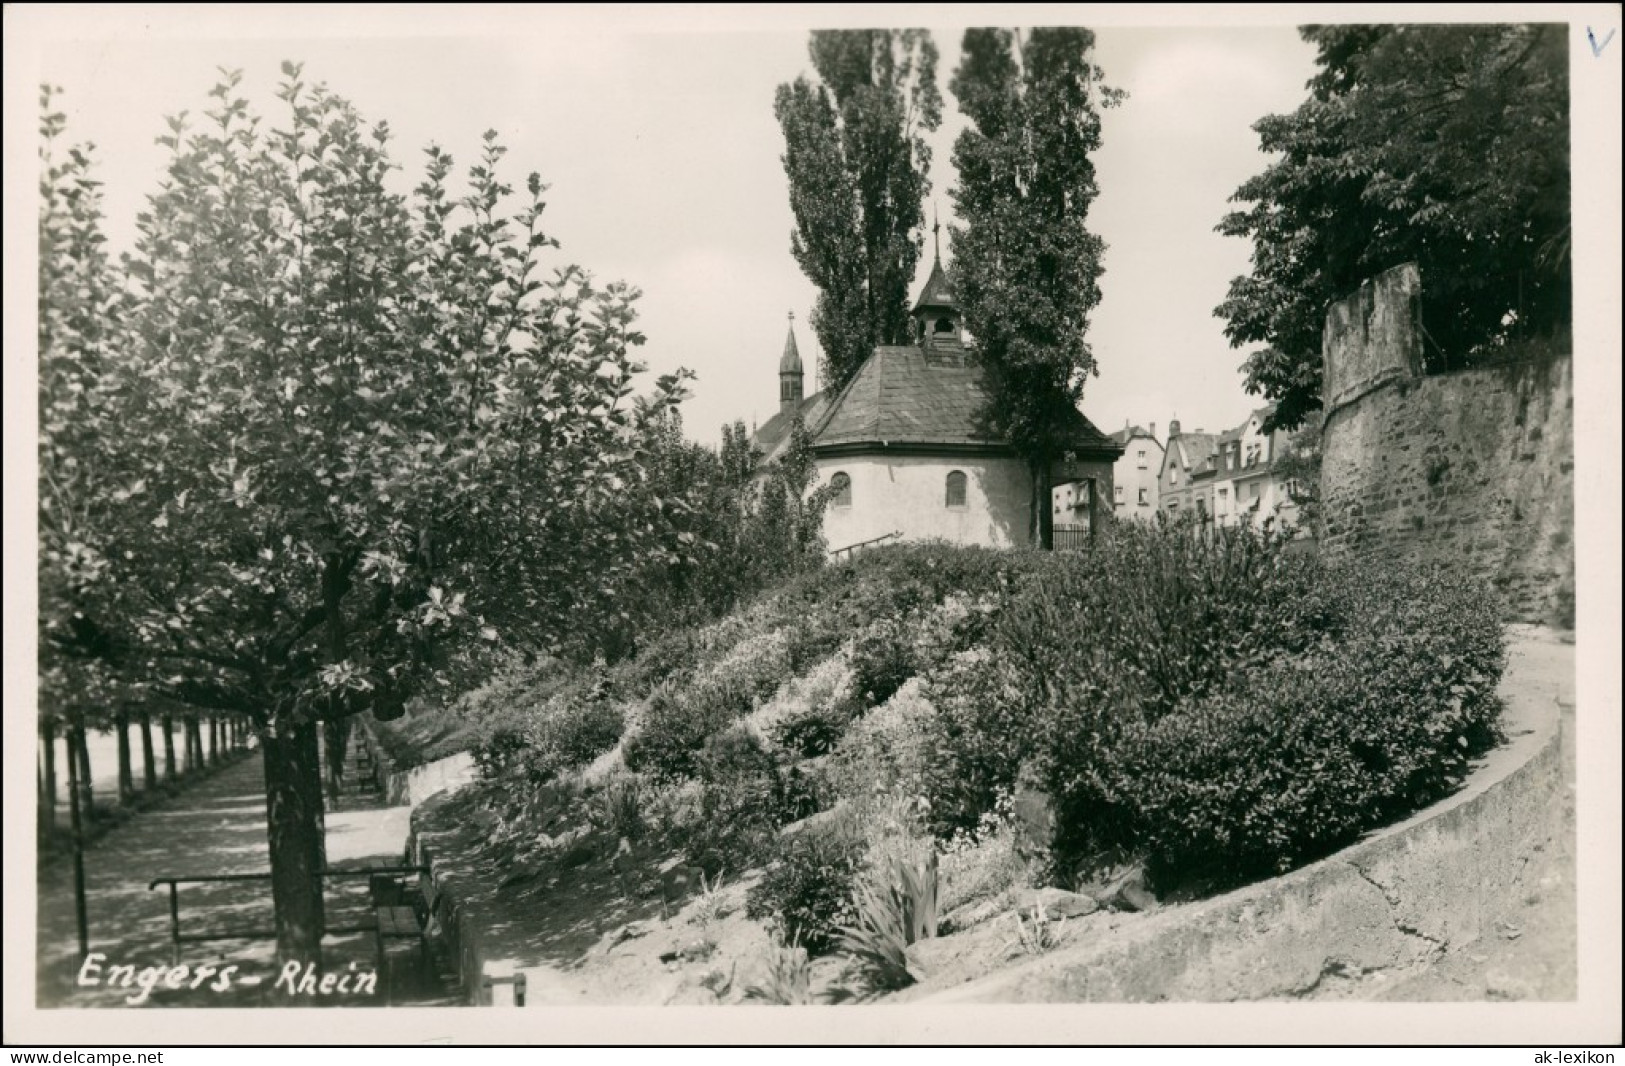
852 549
1070 538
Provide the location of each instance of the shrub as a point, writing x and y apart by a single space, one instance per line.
985 728
618 808
680 719
807 890
668 659
817 728
887 748
673 730
982 863
1299 755
570 730
741 795
882 659
541 720
802 792
895 907
1084 641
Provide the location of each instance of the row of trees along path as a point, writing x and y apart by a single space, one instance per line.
141 757
216 826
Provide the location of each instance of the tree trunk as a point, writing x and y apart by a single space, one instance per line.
194 747
149 763
48 775
80 752
214 741
169 749
337 738
126 768
293 797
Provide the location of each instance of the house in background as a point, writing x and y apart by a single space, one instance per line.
1186 475
1261 490
1226 463
1135 476
904 447
1227 478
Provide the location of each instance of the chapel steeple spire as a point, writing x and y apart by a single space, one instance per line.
790 376
936 312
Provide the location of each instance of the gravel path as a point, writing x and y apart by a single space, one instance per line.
216 827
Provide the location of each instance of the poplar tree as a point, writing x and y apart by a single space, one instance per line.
1026 266
856 159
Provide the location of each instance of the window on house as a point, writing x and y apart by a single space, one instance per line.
1252 490
1142 459
1173 475
843 489
1145 497
956 489
1117 493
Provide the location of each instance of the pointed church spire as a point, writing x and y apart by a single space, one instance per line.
936 238
790 375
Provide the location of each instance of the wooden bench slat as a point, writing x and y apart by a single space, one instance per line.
398 921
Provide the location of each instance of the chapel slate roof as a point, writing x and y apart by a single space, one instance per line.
774 434
936 395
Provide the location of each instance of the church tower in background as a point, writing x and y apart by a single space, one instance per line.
790 377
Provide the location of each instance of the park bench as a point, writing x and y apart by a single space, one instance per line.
401 920
397 915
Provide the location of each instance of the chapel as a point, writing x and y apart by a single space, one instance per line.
904 445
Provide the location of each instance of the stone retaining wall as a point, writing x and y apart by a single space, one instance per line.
411 786
1472 469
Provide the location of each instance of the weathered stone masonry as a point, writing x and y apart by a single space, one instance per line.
1473 469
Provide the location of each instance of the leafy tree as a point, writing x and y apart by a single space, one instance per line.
1298 467
735 527
1443 145
84 473
373 430
1026 264
782 531
856 158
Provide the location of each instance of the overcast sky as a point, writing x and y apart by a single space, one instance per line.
656 133
664 160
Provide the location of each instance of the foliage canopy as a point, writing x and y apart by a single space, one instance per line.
1443 145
